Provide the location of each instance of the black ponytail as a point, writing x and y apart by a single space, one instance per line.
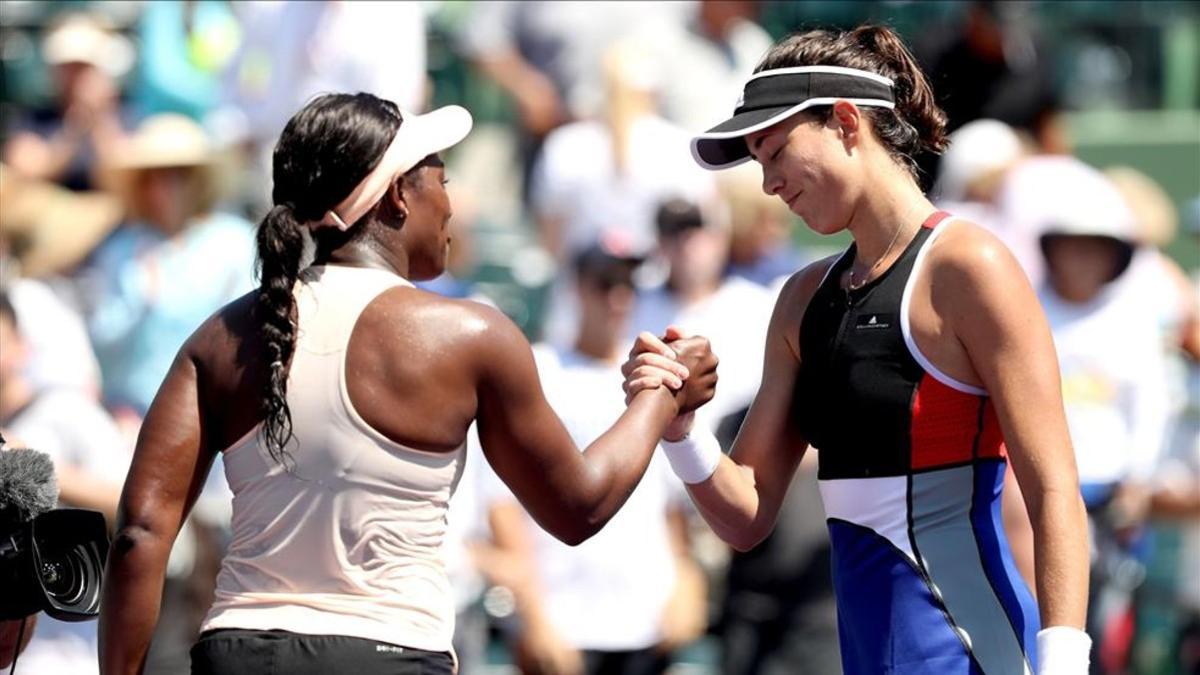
323 152
916 107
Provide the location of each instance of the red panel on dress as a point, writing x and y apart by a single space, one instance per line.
945 423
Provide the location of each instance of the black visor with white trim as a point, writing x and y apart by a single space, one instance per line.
772 96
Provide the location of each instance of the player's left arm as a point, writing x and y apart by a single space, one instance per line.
984 298
170 465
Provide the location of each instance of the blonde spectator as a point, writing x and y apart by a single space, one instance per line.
1153 277
636 160
760 249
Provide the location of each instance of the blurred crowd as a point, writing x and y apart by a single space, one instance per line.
129 193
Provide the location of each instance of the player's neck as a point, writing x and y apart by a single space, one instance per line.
894 203
363 254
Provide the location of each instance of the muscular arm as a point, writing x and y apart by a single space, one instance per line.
986 302
169 467
571 495
741 500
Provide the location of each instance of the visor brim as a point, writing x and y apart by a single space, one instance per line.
437 130
724 146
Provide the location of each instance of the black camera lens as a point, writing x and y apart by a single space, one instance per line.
63 576
69 550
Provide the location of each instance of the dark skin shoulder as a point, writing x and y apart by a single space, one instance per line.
419 369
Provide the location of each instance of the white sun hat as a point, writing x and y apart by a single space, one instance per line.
80 38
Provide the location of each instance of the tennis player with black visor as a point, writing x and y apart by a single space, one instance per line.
920 365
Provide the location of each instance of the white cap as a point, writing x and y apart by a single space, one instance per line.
83 39
976 149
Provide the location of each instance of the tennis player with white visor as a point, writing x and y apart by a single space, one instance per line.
340 397
920 365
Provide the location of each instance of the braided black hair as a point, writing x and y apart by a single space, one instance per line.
323 152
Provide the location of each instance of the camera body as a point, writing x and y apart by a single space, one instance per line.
53 563
50 559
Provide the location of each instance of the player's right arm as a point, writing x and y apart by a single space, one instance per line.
570 494
742 498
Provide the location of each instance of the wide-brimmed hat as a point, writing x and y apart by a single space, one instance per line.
82 38
1063 197
50 229
164 140
169 141
1156 217
1070 198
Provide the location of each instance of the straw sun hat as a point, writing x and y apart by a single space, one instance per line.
49 229
161 141
168 141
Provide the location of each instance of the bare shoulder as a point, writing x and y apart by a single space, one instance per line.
799 289
967 256
793 301
225 335
980 290
459 324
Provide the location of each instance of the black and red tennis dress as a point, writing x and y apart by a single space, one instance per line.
912 465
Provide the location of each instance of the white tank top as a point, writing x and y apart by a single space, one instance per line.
349 541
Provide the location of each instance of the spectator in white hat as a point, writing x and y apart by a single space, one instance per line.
1113 373
65 142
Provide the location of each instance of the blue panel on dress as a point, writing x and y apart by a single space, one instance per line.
997 558
888 619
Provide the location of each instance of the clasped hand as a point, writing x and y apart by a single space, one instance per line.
684 365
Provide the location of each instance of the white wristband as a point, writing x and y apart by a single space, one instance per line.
1063 650
695 457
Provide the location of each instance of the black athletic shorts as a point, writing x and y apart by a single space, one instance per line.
233 651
